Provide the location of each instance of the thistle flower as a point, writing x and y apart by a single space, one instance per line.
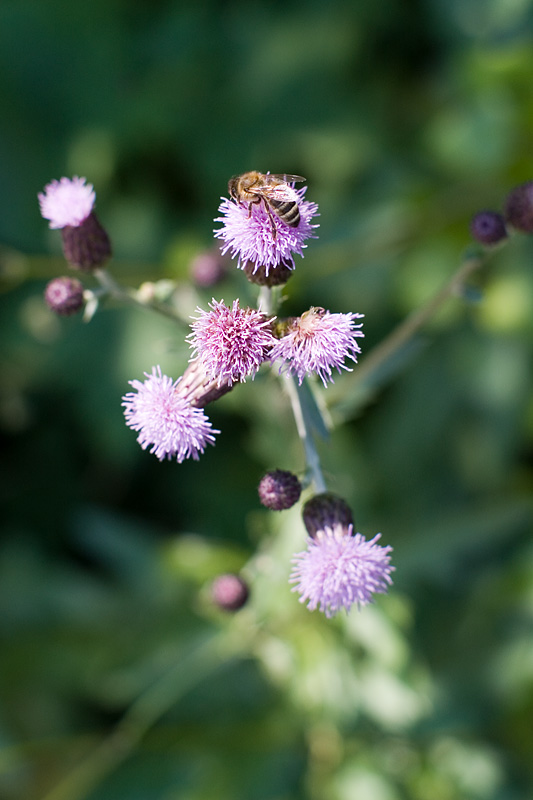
317 342
339 569
68 205
231 343
64 296
166 421
249 236
67 202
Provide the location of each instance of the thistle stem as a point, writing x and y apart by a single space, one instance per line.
312 458
130 296
407 329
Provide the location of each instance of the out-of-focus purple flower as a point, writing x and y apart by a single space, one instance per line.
249 236
208 268
488 227
340 569
229 592
167 423
518 208
318 342
231 343
67 202
64 296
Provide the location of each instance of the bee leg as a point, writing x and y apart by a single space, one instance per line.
272 223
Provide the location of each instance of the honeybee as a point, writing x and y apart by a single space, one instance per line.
273 190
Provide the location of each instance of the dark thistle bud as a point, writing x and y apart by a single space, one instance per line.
208 268
86 246
260 275
229 592
279 490
64 296
488 227
325 511
519 207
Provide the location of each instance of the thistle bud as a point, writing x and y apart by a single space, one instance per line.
326 510
488 227
229 592
279 489
261 276
519 207
64 296
86 246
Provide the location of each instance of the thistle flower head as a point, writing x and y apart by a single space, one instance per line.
340 569
67 202
255 234
318 342
166 421
231 343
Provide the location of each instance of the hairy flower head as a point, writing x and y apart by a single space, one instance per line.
67 202
340 569
231 343
255 235
318 342
166 421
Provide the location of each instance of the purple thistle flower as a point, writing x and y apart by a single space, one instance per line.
67 202
339 569
318 341
249 235
166 421
231 343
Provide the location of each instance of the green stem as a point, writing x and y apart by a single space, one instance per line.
138 720
130 296
304 431
403 333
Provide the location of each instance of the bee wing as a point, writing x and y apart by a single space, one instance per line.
287 178
279 191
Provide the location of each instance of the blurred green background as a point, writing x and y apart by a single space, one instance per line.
406 117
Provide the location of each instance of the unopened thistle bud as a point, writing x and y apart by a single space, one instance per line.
519 207
488 227
68 205
64 296
262 277
326 510
229 592
279 490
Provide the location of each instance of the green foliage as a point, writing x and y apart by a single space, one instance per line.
406 118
